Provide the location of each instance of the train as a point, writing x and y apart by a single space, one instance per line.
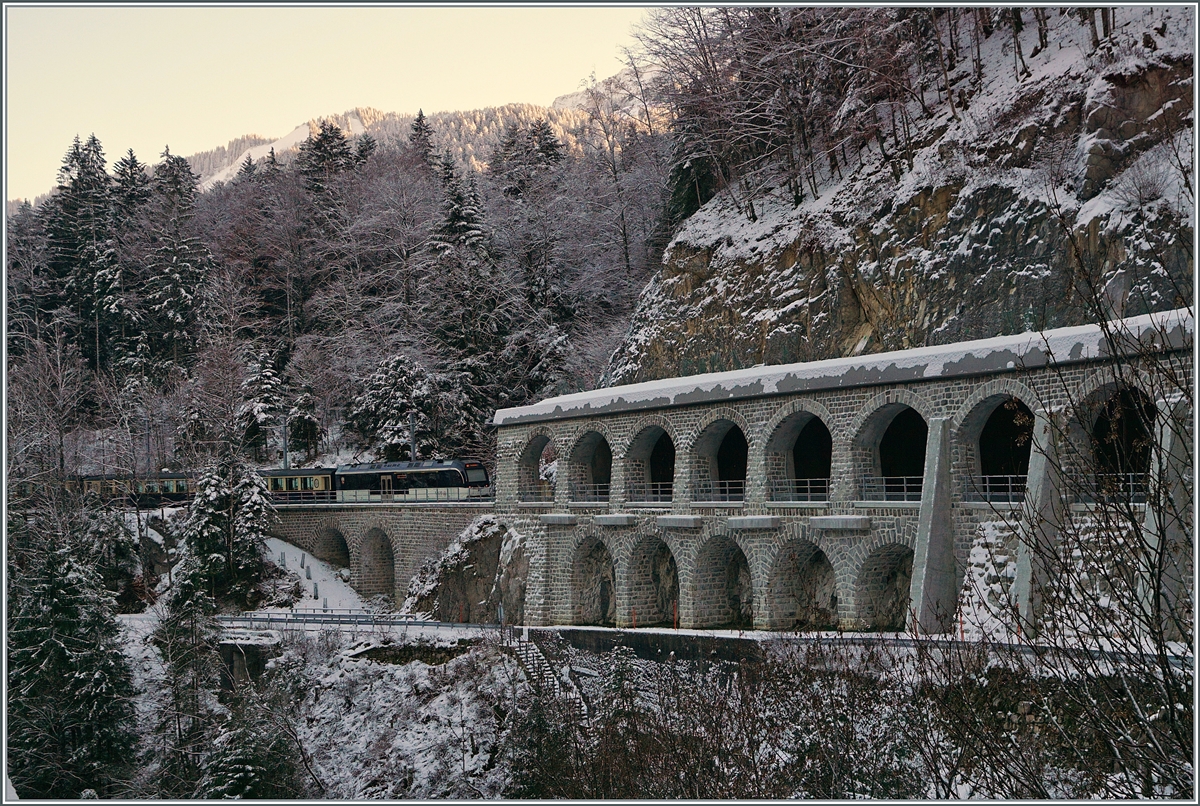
375 482
381 482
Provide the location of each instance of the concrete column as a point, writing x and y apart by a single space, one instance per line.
933 591
1043 516
1163 569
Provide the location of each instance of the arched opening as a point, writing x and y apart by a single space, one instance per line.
719 468
377 570
799 459
899 455
803 589
594 587
724 590
536 470
654 585
883 588
1122 443
1003 450
650 467
331 547
591 468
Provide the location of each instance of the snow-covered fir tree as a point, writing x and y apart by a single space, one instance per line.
186 708
379 414
179 262
69 690
226 527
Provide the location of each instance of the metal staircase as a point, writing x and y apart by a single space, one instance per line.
543 677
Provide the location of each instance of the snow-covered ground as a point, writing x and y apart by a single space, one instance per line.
332 584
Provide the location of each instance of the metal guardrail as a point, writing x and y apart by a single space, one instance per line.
304 497
336 618
997 489
415 495
344 617
711 491
536 493
655 492
590 492
798 490
1114 488
892 488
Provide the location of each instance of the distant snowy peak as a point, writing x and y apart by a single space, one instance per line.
623 83
291 140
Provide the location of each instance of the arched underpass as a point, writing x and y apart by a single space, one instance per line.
377 573
803 589
883 588
594 584
723 590
654 585
331 546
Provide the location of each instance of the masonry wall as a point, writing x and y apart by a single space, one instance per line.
894 563
866 542
409 533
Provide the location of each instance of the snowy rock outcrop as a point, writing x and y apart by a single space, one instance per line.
483 568
1013 211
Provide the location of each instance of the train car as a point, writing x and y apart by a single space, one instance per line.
400 482
164 488
301 485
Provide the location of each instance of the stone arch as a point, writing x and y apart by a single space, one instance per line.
330 545
722 585
883 588
651 582
539 447
1076 418
376 564
590 465
720 456
1114 432
888 446
995 440
798 447
802 592
593 583
651 460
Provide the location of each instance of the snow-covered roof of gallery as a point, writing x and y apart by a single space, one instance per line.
1171 329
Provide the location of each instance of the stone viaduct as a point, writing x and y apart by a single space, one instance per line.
845 492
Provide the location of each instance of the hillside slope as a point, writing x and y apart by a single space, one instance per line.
470 136
1015 208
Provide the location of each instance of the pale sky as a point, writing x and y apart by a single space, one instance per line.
194 78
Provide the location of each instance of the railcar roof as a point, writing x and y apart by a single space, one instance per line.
426 465
1170 329
298 471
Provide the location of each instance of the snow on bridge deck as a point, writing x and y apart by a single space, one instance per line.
1170 329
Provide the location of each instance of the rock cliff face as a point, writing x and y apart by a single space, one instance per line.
1035 204
484 569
